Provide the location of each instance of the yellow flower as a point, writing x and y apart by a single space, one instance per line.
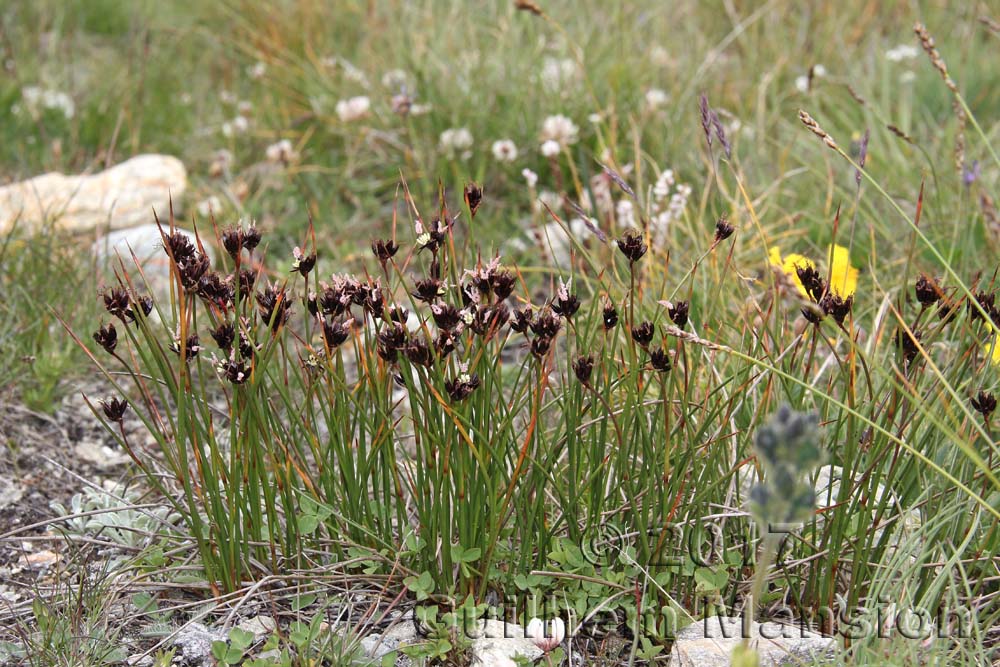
843 276
992 350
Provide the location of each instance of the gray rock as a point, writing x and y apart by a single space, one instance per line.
194 643
10 491
119 197
139 660
493 643
710 643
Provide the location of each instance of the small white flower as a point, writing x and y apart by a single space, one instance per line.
227 129
802 83
656 98
546 636
504 150
455 139
625 213
901 53
550 148
282 152
420 109
595 119
530 177
354 108
550 199
257 70
819 70
663 185
560 129
907 77
38 99
209 206
659 56
245 108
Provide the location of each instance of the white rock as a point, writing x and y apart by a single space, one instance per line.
258 626
710 643
194 643
122 196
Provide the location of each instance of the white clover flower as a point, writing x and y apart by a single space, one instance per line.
664 183
625 213
550 148
560 129
257 70
546 636
559 74
901 53
36 100
656 98
504 150
595 119
282 152
530 177
819 70
208 206
354 108
455 139
802 83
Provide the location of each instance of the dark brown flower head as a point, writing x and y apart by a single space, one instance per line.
214 289
107 337
473 197
232 241
114 409
251 237
234 371
723 230
247 283
433 237
502 283
927 290
192 269
444 343
487 320
659 359
632 246
248 349
642 333
540 346
419 352
947 311
583 367
190 349
384 249
312 304
446 316
986 300
521 319
335 333
609 315
811 281
274 306
565 304
461 387
302 263
908 344
118 302
545 325
398 313
224 335
428 289
839 308
141 304
678 313
337 297
178 246
391 340
985 403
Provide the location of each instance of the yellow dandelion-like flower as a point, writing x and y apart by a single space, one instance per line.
843 276
991 350
789 264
